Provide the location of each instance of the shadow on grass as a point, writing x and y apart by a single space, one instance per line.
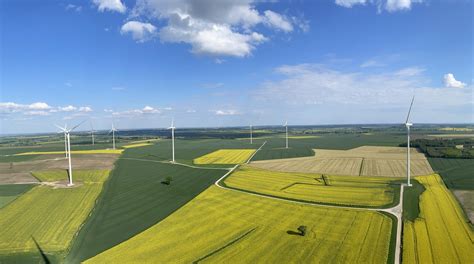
43 255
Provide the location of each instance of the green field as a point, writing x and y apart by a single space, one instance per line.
456 173
52 216
339 190
10 192
302 147
224 226
134 199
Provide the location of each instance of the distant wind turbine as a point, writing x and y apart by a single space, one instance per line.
172 127
408 125
68 148
251 136
286 127
113 130
92 133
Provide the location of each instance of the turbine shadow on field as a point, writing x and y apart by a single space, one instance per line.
43 255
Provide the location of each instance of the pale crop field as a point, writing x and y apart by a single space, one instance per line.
340 190
91 151
51 216
223 226
441 234
361 161
225 156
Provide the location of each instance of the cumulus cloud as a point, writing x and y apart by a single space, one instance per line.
147 110
76 8
140 32
39 108
110 5
450 81
216 28
312 84
388 5
226 112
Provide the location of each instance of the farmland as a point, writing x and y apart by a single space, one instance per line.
341 190
334 235
441 234
225 156
362 161
51 215
135 198
90 151
10 192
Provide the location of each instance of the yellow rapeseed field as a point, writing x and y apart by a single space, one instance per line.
52 216
363 161
223 226
136 145
344 190
441 234
225 156
90 151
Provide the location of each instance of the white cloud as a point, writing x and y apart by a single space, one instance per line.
150 110
278 21
311 84
76 8
85 109
140 32
118 88
226 112
350 3
68 108
37 113
190 111
388 5
39 106
450 81
216 28
111 5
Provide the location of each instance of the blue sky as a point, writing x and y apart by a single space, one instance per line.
228 63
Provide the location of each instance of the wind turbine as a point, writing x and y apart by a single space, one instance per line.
113 130
286 127
68 148
65 140
251 136
172 127
408 125
92 133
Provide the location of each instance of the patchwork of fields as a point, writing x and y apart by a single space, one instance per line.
225 156
88 151
245 221
441 234
52 216
339 190
361 161
10 192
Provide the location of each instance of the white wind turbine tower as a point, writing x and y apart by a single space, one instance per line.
172 127
251 136
286 127
113 130
92 134
408 125
65 139
68 148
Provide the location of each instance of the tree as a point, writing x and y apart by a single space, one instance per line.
302 230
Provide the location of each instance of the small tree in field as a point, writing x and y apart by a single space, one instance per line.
167 180
302 230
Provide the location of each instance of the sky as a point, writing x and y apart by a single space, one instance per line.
208 63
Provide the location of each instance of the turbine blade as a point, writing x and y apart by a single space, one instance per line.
62 128
409 110
77 126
